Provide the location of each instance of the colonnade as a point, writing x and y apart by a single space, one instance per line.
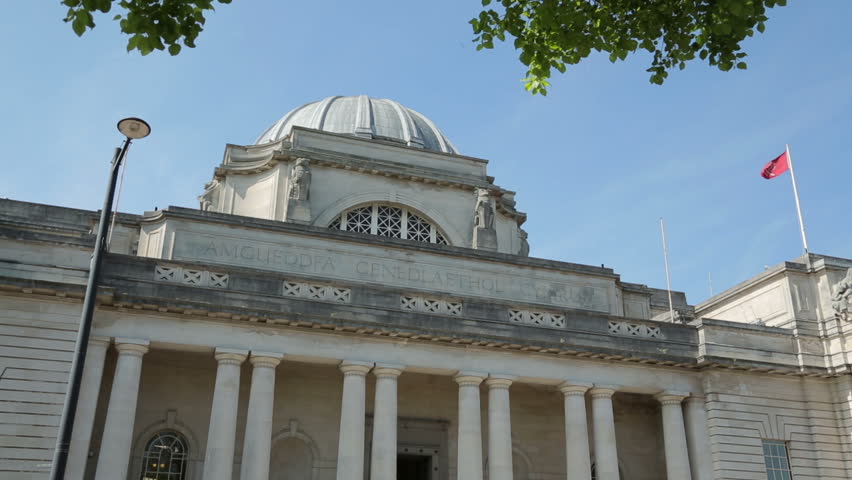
684 421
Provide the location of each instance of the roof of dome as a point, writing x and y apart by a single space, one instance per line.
364 117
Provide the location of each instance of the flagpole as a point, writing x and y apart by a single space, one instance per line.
666 260
798 206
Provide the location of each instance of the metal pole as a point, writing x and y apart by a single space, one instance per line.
66 423
710 282
796 194
666 260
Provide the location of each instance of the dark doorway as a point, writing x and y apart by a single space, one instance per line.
413 467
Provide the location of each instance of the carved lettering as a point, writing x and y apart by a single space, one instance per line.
447 278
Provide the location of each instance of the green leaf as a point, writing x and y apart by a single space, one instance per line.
174 49
79 25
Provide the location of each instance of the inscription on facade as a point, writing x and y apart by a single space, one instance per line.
374 269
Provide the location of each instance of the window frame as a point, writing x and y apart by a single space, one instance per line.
784 469
185 455
341 222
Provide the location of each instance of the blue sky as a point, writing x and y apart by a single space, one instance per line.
596 163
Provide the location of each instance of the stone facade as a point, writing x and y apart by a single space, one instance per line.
260 337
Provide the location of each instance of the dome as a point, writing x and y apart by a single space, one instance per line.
363 117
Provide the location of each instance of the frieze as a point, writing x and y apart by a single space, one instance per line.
449 278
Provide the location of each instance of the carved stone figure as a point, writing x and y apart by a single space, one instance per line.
525 244
484 217
300 179
484 234
841 297
209 200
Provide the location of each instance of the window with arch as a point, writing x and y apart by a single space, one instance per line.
165 457
388 221
595 473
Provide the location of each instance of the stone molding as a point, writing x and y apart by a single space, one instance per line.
500 381
387 370
189 276
265 359
537 318
469 379
316 291
671 398
629 329
230 356
104 341
569 388
133 347
354 367
417 303
603 391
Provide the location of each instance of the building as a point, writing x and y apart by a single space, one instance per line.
354 300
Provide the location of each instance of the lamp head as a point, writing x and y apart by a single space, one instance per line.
134 128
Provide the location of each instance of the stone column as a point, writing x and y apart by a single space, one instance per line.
696 438
499 428
469 455
90 386
383 453
576 431
221 434
603 427
258 439
674 436
117 438
350 446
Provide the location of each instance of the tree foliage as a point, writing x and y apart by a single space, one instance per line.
552 34
151 24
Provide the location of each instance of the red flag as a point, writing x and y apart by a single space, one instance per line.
776 167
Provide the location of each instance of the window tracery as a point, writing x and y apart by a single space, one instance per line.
165 457
388 221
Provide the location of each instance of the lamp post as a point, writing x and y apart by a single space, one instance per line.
132 128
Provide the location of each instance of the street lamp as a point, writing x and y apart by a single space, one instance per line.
133 129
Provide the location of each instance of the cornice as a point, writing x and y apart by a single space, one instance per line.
206 312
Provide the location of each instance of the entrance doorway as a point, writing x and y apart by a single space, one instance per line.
413 467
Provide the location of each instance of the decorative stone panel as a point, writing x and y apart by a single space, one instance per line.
634 330
313 291
532 317
188 276
430 305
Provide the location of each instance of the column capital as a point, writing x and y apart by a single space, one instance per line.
603 391
130 346
355 367
700 399
497 380
265 359
230 356
671 398
569 388
469 379
387 370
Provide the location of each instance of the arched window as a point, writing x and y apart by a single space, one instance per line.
165 457
388 221
595 473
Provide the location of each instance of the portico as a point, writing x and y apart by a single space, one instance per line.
480 414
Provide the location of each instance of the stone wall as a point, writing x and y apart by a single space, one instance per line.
36 346
744 409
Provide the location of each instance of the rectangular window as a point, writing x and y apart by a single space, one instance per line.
777 460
